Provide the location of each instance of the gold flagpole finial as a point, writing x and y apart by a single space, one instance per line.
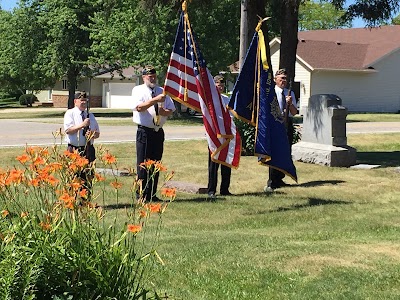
184 6
260 22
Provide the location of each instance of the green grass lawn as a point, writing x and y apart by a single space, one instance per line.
333 235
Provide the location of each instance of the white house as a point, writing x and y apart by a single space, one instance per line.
111 90
360 65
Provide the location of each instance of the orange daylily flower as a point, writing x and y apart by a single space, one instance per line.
159 166
83 193
153 207
31 150
15 176
5 213
24 214
76 184
134 228
147 164
45 226
82 162
55 166
99 177
44 152
38 161
52 180
35 182
66 198
169 192
69 205
109 158
23 158
116 185
143 213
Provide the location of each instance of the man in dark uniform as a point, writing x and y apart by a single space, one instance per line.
213 166
151 109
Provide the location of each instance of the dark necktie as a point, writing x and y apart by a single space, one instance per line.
283 101
84 130
155 120
153 94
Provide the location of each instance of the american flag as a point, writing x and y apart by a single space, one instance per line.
189 82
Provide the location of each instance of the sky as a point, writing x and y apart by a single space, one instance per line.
10 4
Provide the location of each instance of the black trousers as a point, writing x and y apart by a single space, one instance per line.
213 177
275 176
149 145
86 175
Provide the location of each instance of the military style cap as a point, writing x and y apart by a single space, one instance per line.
80 95
148 70
218 78
281 72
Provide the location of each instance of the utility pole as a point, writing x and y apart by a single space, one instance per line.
243 32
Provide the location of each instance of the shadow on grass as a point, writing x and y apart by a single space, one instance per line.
311 202
317 183
116 206
124 114
385 159
199 199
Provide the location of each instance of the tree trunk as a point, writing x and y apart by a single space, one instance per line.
252 11
72 80
289 37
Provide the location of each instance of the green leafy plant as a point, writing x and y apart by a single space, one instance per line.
247 134
57 243
27 99
296 133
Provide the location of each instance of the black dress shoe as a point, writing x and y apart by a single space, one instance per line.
281 183
227 193
156 199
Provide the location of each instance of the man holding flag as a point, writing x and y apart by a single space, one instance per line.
254 100
189 82
288 106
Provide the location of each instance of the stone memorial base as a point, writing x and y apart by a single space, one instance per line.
325 155
187 187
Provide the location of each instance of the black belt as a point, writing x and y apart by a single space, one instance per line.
148 128
80 148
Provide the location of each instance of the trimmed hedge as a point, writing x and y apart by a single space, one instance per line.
27 99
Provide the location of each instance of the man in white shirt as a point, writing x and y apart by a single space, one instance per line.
151 109
288 105
79 126
81 129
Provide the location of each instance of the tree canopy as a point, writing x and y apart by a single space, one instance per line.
42 41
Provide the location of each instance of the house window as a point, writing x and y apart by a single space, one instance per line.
65 84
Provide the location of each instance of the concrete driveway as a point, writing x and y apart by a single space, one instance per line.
34 132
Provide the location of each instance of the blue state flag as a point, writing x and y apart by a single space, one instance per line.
254 101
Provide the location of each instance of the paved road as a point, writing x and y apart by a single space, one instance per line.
34 132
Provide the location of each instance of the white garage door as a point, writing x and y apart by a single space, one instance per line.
118 95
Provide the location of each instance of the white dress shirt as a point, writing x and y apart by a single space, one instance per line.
73 117
143 93
282 102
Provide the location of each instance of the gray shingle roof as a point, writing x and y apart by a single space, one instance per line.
359 47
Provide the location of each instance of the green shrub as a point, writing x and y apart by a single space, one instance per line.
27 99
247 134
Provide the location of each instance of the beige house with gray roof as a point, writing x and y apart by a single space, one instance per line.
360 65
